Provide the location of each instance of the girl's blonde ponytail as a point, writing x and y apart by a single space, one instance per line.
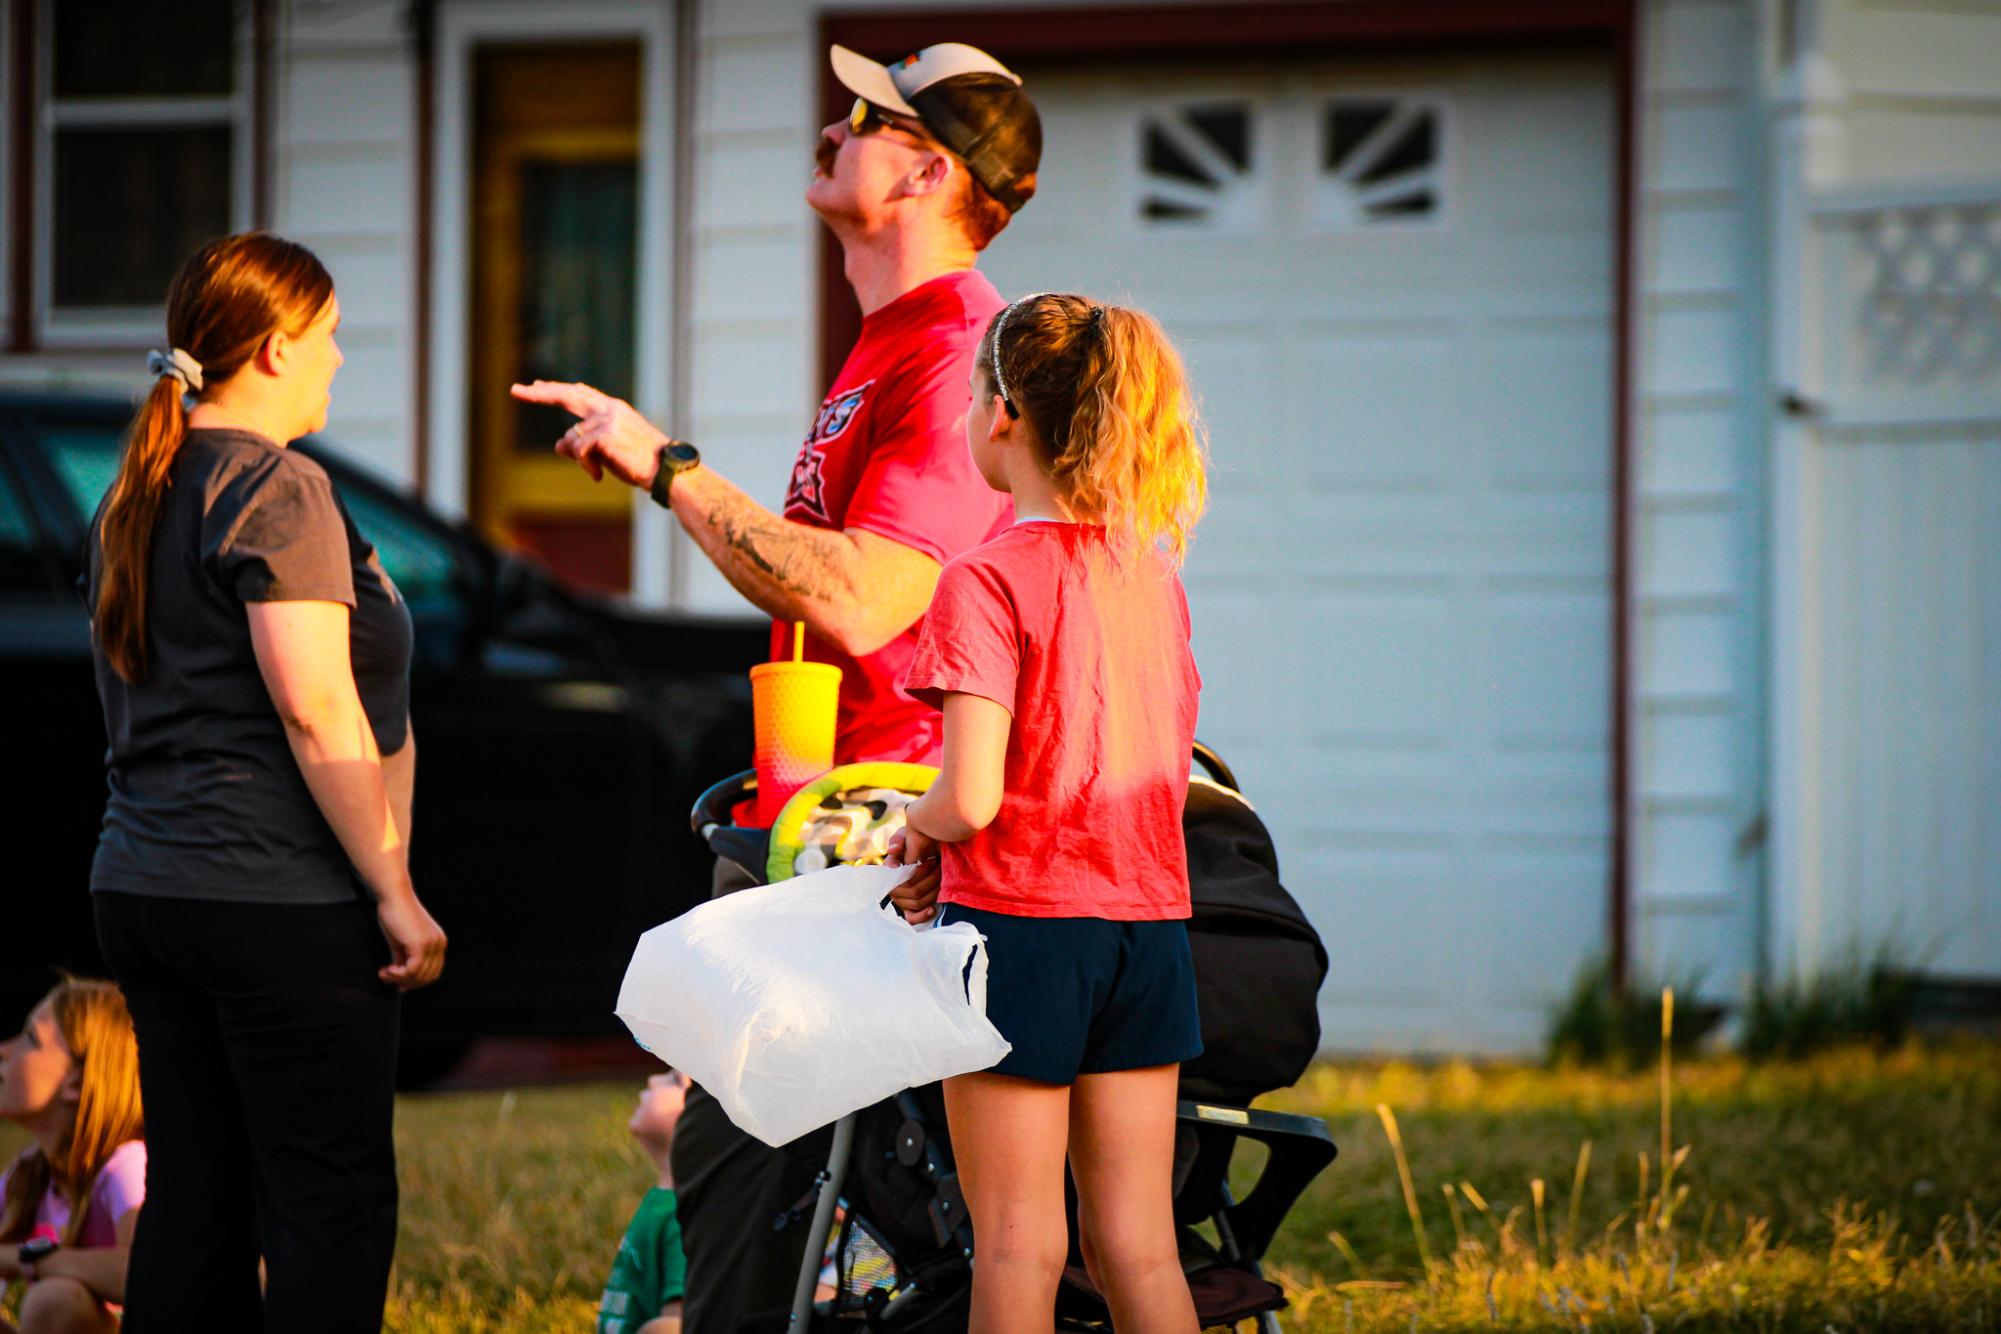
1108 398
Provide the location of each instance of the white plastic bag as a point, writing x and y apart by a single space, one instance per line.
797 1003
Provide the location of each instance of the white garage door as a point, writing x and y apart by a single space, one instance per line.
1393 284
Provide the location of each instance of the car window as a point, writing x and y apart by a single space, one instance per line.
423 563
84 456
22 569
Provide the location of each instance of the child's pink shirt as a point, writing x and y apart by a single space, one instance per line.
1093 662
120 1188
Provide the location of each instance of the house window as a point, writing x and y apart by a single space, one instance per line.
142 154
1380 161
1197 165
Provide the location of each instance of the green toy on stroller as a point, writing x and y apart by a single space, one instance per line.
888 1205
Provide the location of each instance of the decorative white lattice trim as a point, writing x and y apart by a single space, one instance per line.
1929 309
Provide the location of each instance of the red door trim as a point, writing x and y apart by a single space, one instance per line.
20 215
1148 33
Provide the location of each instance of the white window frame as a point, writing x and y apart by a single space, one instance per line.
117 325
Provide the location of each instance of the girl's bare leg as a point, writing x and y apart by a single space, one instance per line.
1008 1137
1122 1156
63 1306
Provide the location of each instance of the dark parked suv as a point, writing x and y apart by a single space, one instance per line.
562 740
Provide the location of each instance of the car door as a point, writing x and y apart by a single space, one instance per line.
54 749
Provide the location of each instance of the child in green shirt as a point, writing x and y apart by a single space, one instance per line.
643 1294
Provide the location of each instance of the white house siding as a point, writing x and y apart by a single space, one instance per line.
1698 418
1887 606
343 177
1921 87
753 322
1910 577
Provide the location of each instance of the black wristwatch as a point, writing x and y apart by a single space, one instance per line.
35 1250
676 457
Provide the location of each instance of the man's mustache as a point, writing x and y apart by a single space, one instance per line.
824 154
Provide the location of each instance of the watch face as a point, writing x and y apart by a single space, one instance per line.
683 453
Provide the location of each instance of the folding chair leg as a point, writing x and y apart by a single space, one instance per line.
829 1186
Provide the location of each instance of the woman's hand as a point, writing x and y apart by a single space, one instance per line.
917 896
416 942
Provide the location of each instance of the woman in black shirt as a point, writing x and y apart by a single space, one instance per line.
253 662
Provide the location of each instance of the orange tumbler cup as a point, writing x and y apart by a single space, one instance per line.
793 709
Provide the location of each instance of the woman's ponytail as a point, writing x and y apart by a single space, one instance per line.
1109 401
228 297
131 514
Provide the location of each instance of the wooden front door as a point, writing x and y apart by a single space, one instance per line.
555 282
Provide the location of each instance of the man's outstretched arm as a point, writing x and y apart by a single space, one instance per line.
854 589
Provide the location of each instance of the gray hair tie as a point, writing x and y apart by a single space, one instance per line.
178 363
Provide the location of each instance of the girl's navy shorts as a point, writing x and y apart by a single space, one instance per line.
1084 996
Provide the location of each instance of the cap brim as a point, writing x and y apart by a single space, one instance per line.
869 80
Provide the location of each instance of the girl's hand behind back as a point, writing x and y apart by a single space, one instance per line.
917 897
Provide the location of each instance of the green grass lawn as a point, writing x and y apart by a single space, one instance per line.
1853 1190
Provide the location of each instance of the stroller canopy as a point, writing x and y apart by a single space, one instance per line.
1258 962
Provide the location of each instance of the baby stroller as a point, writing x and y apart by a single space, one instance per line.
899 1256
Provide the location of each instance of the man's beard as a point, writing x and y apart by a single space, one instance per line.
824 154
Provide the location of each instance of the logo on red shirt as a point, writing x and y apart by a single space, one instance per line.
807 490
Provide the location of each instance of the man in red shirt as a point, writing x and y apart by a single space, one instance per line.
939 152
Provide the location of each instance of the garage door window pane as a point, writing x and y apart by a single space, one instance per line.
140 48
1379 161
130 205
1196 161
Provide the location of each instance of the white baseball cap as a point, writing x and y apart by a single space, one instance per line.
891 86
970 102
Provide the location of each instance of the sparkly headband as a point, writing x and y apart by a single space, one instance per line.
1000 323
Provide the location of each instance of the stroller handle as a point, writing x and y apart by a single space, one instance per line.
718 800
713 808
1218 768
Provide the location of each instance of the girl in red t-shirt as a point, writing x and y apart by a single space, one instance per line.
1059 655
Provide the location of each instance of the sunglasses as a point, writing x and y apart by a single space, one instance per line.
867 118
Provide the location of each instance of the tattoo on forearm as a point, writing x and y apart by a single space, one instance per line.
799 560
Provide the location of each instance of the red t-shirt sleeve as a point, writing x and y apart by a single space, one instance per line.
919 486
970 640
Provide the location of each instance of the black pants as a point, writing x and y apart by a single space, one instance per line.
728 1187
267 1060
